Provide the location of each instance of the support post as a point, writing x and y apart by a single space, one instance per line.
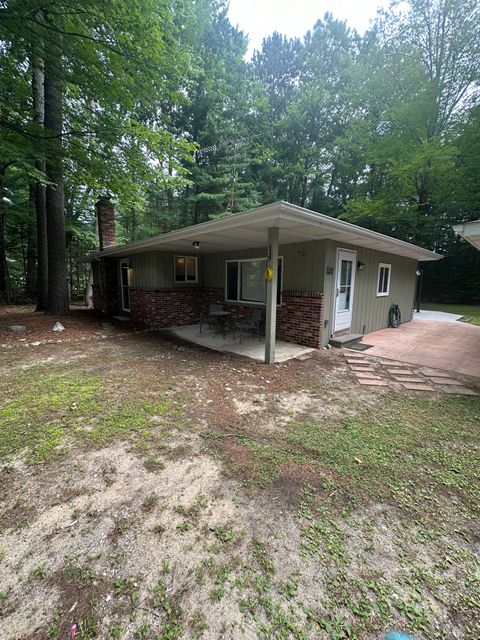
271 310
419 289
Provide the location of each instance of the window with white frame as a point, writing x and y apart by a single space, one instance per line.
383 279
245 280
186 269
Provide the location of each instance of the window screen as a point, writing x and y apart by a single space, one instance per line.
245 280
383 284
252 280
191 269
185 269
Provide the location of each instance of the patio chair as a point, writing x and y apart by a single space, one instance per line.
252 326
208 318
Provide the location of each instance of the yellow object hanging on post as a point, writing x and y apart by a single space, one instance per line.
269 274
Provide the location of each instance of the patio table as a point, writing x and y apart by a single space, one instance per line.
220 318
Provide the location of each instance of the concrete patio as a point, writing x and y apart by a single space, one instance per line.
251 347
452 346
438 316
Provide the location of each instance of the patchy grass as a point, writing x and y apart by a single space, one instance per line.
471 313
46 410
420 456
403 453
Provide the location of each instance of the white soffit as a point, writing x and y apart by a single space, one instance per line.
249 230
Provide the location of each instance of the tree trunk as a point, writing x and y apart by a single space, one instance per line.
58 302
38 92
4 298
31 252
170 199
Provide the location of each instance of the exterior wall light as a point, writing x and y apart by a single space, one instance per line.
360 265
196 244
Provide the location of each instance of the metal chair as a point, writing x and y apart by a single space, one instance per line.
252 326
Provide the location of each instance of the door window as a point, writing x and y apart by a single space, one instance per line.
125 283
345 286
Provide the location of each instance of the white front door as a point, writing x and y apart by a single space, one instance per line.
345 285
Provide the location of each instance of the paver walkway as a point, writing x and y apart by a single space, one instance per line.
383 373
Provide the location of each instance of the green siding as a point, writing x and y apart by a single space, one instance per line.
370 312
303 265
154 270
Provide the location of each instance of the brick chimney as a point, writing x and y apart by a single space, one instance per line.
106 223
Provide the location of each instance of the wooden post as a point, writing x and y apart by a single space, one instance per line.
419 289
271 310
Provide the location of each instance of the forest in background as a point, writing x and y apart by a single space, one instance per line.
153 103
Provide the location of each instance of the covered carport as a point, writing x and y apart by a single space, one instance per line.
469 231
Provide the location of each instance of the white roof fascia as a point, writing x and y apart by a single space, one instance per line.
271 215
470 231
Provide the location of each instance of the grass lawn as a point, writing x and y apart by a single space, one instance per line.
152 490
471 312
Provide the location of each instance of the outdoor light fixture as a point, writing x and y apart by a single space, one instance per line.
360 265
196 244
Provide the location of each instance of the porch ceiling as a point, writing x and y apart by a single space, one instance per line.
249 230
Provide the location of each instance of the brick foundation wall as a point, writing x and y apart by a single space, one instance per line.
299 319
162 308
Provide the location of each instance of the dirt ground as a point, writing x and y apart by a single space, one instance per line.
80 324
155 490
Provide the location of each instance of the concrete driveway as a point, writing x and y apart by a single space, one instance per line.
453 346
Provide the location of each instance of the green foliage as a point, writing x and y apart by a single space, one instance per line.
124 63
163 112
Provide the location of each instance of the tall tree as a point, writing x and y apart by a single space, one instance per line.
423 63
119 64
217 119
58 296
40 200
4 293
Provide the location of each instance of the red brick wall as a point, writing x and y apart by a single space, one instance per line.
161 308
106 223
301 318
298 320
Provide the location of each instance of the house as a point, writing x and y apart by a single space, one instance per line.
316 277
469 231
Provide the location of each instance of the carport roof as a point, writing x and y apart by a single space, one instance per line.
248 230
470 231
